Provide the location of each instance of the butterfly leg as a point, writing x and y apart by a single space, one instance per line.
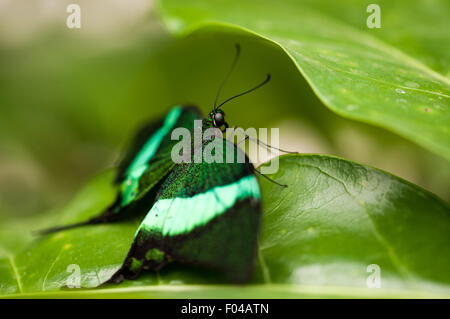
268 178
247 137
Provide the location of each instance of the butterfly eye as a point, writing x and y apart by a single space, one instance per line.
219 119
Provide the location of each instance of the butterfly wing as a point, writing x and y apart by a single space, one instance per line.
145 165
149 160
205 214
153 139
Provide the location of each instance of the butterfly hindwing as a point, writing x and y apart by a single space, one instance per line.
205 214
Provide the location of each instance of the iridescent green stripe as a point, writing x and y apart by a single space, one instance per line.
151 146
178 215
140 163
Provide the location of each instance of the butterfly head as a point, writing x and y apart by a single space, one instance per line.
218 118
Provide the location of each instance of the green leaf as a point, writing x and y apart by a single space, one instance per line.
319 236
337 217
353 70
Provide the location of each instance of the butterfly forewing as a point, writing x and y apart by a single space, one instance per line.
149 160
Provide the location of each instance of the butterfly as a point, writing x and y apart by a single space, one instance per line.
198 213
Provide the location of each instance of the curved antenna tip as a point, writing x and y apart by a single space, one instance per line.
248 91
236 58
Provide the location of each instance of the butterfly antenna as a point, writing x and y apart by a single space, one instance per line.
236 57
248 91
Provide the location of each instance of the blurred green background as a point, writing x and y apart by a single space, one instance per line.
70 99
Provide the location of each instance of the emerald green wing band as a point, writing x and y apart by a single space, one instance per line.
150 147
180 215
194 193
151 154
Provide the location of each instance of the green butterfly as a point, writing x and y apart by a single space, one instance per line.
205 214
